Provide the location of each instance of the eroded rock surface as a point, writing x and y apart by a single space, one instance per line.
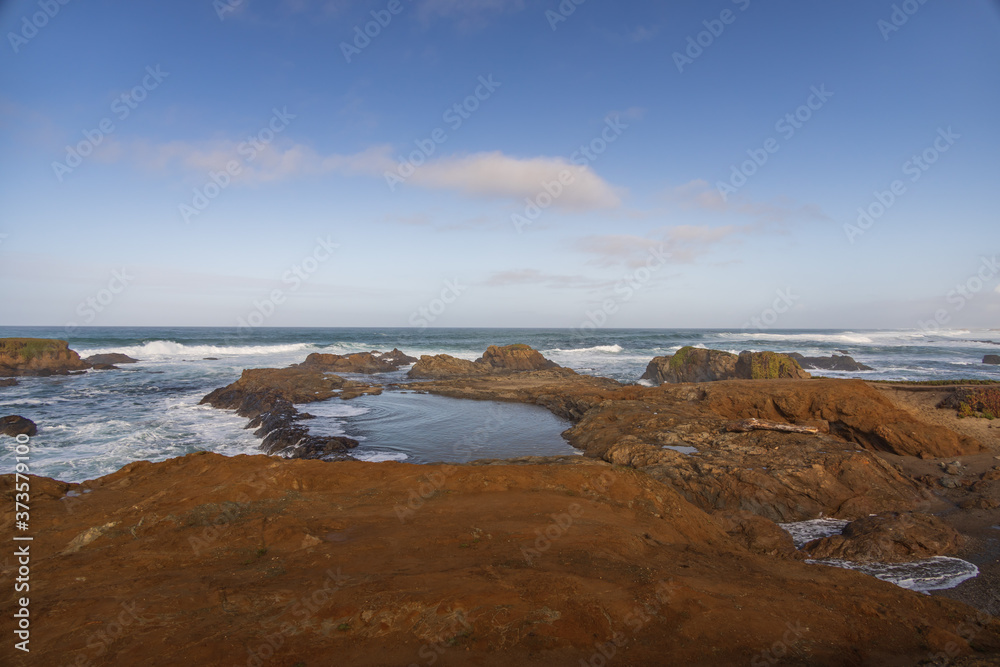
496 359
38 356
692 364
892 538
368 363
496 565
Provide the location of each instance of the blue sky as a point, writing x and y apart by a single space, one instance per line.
665 220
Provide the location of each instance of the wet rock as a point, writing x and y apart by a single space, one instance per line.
8 382
832 363
111 358
368 363
15 425
105 367
38 356
893 538
992 359
496 360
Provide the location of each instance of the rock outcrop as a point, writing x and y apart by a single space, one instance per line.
893 538
692 364
8 382
251 559
15 425
38 356
835 362
496 360
267 396
368 363
780 476
110 359
993 359
768 366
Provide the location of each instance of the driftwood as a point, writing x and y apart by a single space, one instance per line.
747 425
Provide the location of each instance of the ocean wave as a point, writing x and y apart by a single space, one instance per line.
928 574
379 457
608 349
160 350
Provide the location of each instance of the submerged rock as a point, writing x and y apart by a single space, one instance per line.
8 382
892 538
111 358
15 425
38 356
831 363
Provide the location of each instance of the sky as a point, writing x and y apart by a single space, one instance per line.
500 163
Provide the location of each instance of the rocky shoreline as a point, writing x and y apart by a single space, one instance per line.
657 542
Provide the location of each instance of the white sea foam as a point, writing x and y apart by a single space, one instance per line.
803 532
379 457
162 350
929 574
607 349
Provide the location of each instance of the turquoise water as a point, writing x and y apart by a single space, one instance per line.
94 424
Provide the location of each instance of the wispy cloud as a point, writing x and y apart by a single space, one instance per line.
491 175
683 244
540 279
698 194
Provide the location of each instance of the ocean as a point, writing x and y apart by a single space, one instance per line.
91 425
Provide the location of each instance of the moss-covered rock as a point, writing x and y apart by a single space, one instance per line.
38 356
768 366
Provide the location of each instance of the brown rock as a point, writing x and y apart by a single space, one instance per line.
16 425
496 360
445 366
38 356
892 538
692 364
831 363
758 535
8 382
515 358
368 363
221 553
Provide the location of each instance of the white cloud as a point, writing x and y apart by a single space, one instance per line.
481 175
498 176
